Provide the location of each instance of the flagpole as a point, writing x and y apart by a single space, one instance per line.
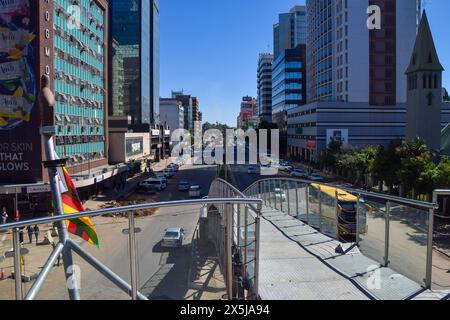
47 133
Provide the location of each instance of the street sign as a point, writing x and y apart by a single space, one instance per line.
127 231
23 252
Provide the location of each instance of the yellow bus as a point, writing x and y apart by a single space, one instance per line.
346 203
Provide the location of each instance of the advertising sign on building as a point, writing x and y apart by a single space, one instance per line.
311 144
20 147
340 135
134 146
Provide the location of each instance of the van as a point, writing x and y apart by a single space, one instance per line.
158 183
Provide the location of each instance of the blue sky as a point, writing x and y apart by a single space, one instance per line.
210 48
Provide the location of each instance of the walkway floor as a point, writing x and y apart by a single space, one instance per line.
308 267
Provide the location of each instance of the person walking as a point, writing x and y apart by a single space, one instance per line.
30 231
36 233
4 217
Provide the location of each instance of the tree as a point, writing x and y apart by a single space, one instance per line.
386 165
415 160
329 159
358 162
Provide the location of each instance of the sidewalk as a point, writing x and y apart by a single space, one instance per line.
206 281
309 267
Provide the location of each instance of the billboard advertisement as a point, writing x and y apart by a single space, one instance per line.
340 135
134 146
20 154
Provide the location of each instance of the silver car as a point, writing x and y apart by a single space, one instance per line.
173 238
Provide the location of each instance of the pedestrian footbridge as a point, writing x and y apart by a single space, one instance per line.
280 239
312 247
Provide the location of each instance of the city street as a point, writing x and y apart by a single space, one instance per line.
163 273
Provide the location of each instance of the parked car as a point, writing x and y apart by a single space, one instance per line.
299 173
184 186
316 177
173 238
195 191
284 167
146 189
162 177
170 171
252 170
279 194
157 183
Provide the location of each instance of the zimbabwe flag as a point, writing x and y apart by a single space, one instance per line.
82 227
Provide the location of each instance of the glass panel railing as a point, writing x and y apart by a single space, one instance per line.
408 233
301 197
372 227
328 215
313 207
249 235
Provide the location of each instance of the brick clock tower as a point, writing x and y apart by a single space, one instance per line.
424 101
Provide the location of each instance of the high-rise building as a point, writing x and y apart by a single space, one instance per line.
42 40
172 113
246 116
135 49
134 60
191 107
288 88
265 87
290 31
348 62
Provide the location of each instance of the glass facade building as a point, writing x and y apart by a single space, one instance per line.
320 50
134 28
79 83
288 88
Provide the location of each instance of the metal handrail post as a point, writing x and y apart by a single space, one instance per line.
386 237
269 186
336 203
246 241
17 266
320 208
229 250
429 267
257 253
132 247
275 195
307 203
289 198
281 196
296 200
358 204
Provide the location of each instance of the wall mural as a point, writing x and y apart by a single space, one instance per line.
17 56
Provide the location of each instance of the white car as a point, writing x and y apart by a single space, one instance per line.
195 191
157 183
299 173
279 194
173 238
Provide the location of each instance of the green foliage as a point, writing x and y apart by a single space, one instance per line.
219 126
415 160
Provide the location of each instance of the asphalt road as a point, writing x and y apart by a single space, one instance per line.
163 273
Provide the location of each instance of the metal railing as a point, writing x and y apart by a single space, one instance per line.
237 234
396 232
130 289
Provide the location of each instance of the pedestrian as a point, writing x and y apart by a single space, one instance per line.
36 233
30 231
21 235
4 216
